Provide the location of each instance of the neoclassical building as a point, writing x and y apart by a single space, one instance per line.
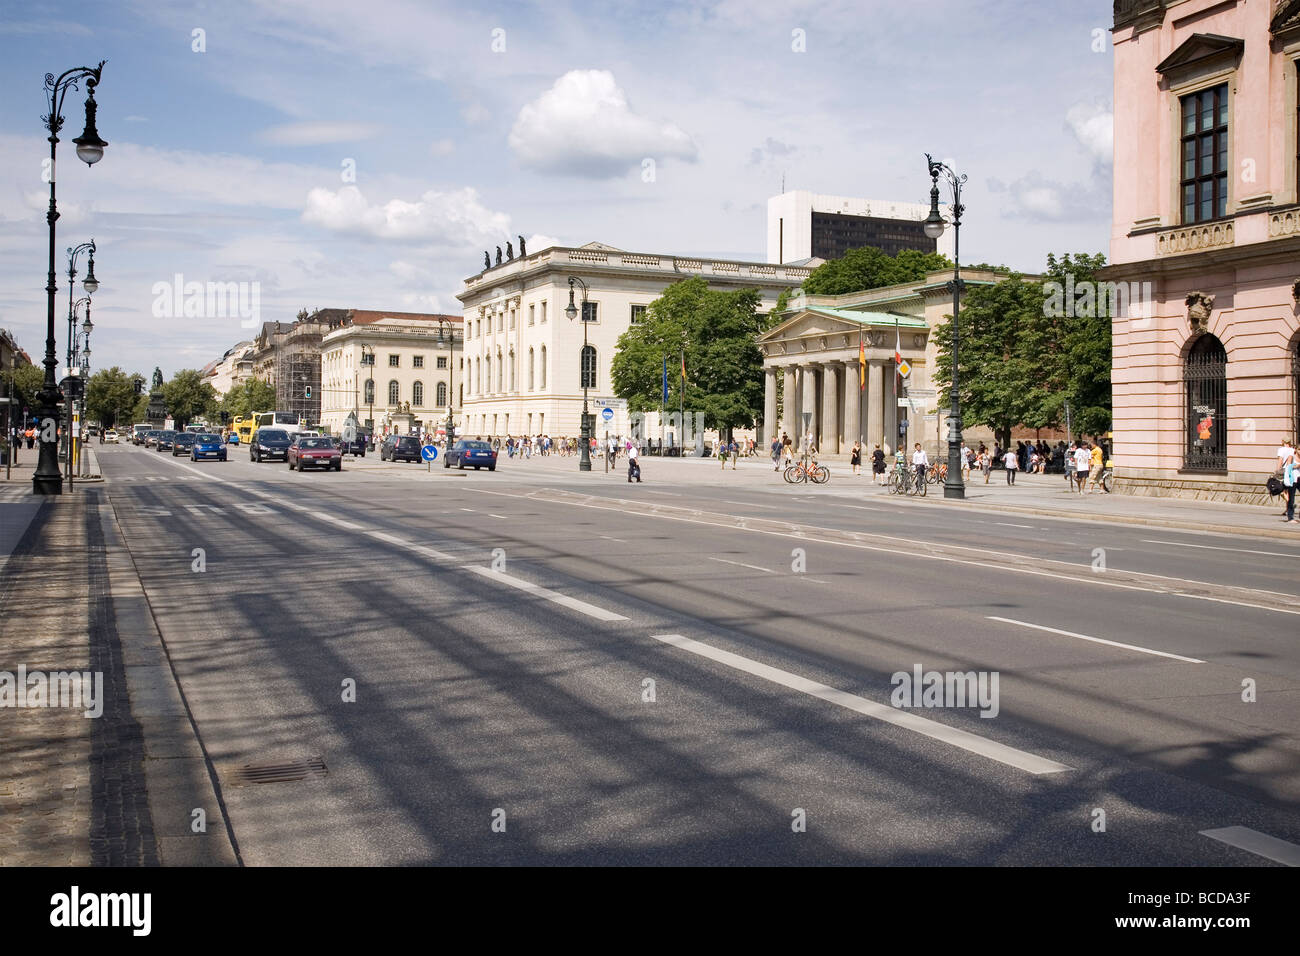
525 362
1207 211
811 367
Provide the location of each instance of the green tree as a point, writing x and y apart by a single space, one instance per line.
188 397
717 332
250 395
1024 355
110 396
27 381
869 268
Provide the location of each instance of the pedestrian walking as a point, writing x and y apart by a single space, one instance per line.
776 454
787 447
1097 460
986 462
966 456
877 465
633 464
855 458
1082 463
1011 461
1288 464
920 462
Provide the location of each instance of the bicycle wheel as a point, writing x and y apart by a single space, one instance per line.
820 475
921 487
794 474
1106 479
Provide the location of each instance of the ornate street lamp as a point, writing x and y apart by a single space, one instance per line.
584 463
953 487
447 339
90 149
91 284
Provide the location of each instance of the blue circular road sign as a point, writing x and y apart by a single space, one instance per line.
608 414
429 453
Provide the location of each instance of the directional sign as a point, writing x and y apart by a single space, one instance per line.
922 392
607 414
429 452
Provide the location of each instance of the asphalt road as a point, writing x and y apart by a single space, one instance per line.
500 630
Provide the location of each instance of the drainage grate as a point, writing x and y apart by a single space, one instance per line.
276 772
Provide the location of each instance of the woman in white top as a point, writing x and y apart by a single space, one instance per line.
1012 463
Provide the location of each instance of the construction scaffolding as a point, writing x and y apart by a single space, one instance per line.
297 379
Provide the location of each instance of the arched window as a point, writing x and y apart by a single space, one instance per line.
501 373
417 394
442 394
513 378
478 376
588 367
531 363
370 392
394 393
1205 378
543 368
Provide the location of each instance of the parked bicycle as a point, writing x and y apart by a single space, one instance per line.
805 470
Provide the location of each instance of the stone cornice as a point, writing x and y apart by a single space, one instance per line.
1285 249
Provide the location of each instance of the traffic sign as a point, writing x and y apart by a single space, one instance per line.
904 369
429 452
607 413
922 392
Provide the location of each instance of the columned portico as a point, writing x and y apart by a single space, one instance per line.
770 424
808 389
852 405
828 426
790 408
875 403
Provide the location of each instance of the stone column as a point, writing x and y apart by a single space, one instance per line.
875 404
769 407
890 401
828 432
790 409
852 401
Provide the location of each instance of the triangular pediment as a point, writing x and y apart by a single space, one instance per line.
1200 48
808 324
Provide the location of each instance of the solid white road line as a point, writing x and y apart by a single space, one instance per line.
746 504
1008 524
1260 844
752 567
973 743
1097 640
582 607
608 538
1207 547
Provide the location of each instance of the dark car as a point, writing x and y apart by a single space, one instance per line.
400 448
207 445
314 451
469 452
151 437
268 444
166 439
355 447
183 443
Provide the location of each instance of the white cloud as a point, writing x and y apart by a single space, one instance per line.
455 218
584 126
320 133
1094 127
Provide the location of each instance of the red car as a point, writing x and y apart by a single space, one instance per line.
314 451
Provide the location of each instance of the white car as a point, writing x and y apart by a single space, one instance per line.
110 436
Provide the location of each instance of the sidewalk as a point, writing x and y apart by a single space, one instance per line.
113 789
1031 494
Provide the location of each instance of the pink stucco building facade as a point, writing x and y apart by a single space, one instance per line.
1206 210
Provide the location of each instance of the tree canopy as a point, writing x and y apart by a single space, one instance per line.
1023 356
869 268
717 331
110 396
250 395
189 397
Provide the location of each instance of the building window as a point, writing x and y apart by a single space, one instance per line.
501 374
589 311
1205 378
514 387
1204 172
501 321
512 318
531 380
442 394
367 358
541 371
394 393
394 361
417 361
638 314
588 367
532 309
543 312
442 361
370 392
417 394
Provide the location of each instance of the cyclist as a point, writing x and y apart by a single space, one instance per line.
920 462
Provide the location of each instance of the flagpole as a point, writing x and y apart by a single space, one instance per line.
862 386
681 399
663 404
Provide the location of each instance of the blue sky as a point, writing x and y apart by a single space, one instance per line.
467 124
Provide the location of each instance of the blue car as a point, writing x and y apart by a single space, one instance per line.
479 454
207 445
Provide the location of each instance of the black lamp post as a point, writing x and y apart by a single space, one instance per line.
447 336
91 285
584 464
370 386
90 150
81 358
953 487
